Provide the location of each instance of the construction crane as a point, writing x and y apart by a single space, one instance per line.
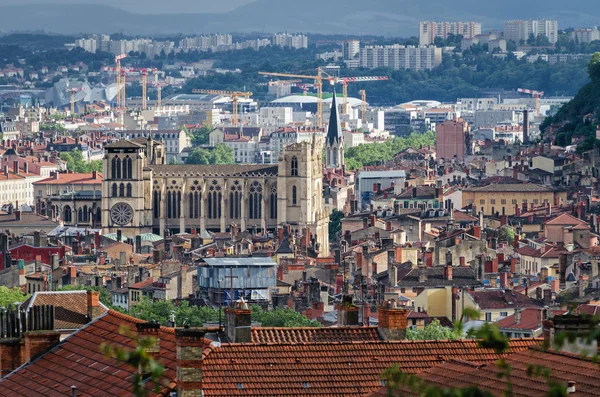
359 79
123 97
318 83
536 94
363 97
234 97
118 59
73 91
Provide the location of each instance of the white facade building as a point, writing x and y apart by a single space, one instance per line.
351 49
429 30
290 40
400 57
586 35
517 30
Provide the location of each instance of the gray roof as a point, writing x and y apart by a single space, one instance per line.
240 262
216 170
461 277
123 144
382 174
510 187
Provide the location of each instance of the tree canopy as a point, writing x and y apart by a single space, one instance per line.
10 296
221 154
369 154
433 331
594 67
76 163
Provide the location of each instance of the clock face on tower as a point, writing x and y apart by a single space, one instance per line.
121 213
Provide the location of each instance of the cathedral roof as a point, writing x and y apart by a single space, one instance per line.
217 170
334 129
123 144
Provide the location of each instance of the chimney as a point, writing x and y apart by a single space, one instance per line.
518 316
17 214
448 272
94 174
517 211
26 167
238 323
97 240
36 238
123 259
190 343
462 261
477 231
150 330
373 218
571 387
16 167
422 271
504 280
393 320
39 342
347 312
119 235
138 244
414 192
93 304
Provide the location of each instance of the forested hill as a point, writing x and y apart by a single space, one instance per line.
570 117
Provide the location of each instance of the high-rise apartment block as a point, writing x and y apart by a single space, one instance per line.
290 40
400 57
518 30
586 35
429 30
351 49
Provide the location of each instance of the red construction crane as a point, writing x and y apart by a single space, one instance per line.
358 79
536 94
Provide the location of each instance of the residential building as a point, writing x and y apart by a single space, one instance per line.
429 30
519 30
585 35
174 141
453 140
9 131
397 57
290 40
370 182
70 198
351 49
505 199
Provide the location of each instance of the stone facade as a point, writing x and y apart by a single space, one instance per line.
142 194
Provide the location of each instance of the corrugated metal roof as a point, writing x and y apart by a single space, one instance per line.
243 262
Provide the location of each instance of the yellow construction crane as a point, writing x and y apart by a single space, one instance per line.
363 97
234 97
318 83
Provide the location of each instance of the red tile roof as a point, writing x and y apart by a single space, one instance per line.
564 368
73 179
314 334
531 319
71 307
78 361
327 369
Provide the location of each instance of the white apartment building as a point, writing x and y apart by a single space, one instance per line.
517 30
351 49
397 57
274 116
290 40
429 30
174 141
586 35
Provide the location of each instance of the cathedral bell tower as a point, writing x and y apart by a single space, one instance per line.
334 149
126 189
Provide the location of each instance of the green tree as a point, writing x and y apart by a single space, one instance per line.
433 331
594 67
200 136
279 317
76 163
221 154
10 296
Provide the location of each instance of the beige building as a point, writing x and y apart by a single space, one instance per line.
141 194
503 198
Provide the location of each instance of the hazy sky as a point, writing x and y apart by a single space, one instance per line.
149 6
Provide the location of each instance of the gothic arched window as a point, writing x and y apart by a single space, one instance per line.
156 204
169 200
114 190
294 195
128 164
294 166
67 217
214 201
235 200
86 217
255 201
129 190
122 190
113 168
273 208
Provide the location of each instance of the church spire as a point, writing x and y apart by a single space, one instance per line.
334 129
335 141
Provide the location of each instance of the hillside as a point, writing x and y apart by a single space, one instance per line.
569 121
380 17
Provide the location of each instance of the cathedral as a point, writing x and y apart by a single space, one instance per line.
142 194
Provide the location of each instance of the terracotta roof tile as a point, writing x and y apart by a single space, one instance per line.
71 308
73 179
314 334
78 361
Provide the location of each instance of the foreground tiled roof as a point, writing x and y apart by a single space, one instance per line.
70 307
314 334
78 361
563 367
500 299
327 369
510 187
